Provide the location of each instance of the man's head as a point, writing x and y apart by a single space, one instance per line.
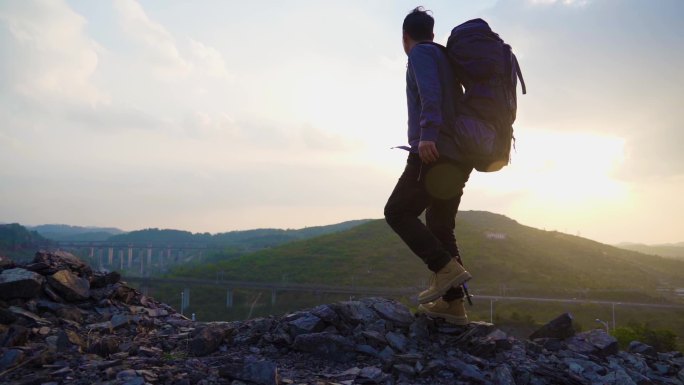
417 27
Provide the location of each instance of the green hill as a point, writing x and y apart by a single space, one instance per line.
19 243
499 252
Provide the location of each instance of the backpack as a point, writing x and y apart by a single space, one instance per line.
489 72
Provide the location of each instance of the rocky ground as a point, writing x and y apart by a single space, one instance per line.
62 323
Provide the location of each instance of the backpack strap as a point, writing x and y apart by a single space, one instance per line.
519 73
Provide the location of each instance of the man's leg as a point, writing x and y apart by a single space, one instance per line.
408 200
441 212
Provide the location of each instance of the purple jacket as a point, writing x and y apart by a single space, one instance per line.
431 93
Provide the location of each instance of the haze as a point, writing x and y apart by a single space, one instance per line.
223 115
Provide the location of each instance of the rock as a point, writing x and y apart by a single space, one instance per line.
19 283
99 280
206 341
16 335
397 341
259 372
467 372
105 346
595 341
69 285
503 375
327 345
372 373
7 317
306 324
393 311
10 358
119 320
641 348
404 368
48 263
355 312
326 313
71 313
559 327
419 329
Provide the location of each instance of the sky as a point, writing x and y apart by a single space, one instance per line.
225 115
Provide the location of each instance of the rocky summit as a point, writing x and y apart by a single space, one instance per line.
62 323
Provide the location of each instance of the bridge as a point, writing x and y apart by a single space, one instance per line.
140 257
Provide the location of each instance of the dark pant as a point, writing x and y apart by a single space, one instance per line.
436 189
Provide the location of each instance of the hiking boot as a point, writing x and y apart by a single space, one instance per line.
451 275
453 312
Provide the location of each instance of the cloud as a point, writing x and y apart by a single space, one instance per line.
53 60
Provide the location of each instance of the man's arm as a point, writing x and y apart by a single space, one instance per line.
426 73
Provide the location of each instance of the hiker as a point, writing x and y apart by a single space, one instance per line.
431 182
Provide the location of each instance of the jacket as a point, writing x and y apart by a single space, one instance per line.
432 91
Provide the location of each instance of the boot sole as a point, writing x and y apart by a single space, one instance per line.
457 281
454 320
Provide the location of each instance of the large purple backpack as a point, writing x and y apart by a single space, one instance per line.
489 72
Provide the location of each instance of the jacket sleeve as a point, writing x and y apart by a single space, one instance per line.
426 73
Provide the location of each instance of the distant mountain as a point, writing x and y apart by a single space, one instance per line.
76 233
670 250
245 240
19 243
501 253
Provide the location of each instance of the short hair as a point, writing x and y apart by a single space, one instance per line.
418 24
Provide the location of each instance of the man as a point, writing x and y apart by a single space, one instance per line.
431 182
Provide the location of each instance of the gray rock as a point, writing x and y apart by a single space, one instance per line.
419 329
393 311
19 283
48 263
503 375
559 327
366 349
309 323
10 358
372 373
327 345
326 313
206 341
258 372
386 354
641 348
397 341
119 320
69 285
593 342
465 371
355 312
404 368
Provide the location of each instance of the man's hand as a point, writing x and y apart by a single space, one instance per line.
427 151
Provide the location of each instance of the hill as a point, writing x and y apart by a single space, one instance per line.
60 232
500 252
670 250
18 243
237 241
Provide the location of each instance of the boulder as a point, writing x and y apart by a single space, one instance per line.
393 311
206 340
19 283
559 327
309 323
641 348
595 341
69 285
48 263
